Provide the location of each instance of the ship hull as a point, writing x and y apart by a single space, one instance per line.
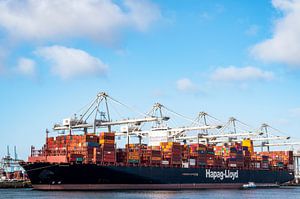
46 176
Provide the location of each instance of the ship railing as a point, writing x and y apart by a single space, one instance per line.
43 152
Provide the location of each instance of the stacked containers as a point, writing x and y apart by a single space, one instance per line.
97 155
218 161
197 155
133 153
239 155
256 161
107 146
223 151
239 158
75 143
280 159
289 160
247 157
78 147
203 154
121 156
145 155
85 148
143 151
150 155
89 143
232 161
185 152
155 157
171 152
193 154
57 146
265 162
210 156
218 156
78 158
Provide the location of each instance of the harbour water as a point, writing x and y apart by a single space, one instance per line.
280 193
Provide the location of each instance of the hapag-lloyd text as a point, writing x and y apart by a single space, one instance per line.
222 174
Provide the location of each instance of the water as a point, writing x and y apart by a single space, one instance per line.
282 193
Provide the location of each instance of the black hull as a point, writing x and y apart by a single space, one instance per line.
48 176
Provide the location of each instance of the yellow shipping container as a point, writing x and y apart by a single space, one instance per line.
133 157
102 141
248 143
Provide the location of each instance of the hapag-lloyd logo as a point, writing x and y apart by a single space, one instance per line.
222 174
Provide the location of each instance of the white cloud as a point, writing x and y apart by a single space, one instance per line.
284 45
186 85
248 73
26 67
71 62
98 19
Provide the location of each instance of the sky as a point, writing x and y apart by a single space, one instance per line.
227 58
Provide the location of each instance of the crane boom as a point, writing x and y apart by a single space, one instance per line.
280 144
211 137
193 128
266 139
100 123
229 135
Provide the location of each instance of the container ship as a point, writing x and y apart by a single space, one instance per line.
173 158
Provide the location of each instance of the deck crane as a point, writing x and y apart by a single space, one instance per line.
231 136
160 128
280 144
267 137
179 134
101 118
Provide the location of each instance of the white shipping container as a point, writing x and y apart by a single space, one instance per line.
192 162
185 165
164 162
290 166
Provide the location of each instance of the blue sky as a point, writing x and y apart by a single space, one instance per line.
228 58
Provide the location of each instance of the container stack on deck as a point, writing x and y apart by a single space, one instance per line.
107 147
171 152
155 156
210 156
121 156
101 149
89 143
134 153
279 159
